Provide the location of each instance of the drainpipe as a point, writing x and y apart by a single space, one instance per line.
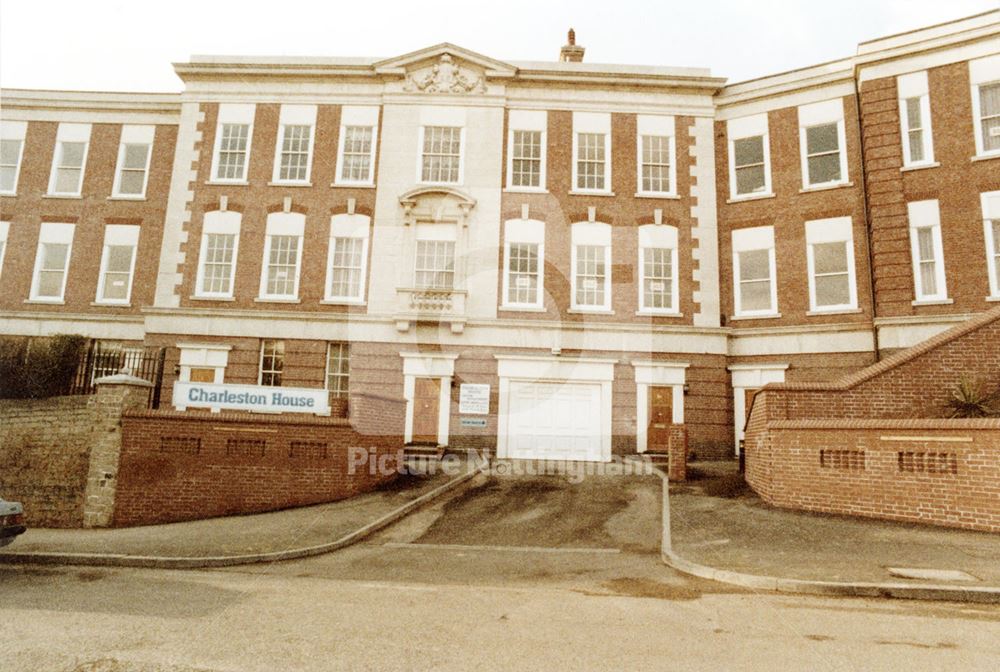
868 216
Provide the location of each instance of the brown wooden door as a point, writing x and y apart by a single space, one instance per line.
661 416
426 404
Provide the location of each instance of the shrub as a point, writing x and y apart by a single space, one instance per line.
13 352
972 399
39 368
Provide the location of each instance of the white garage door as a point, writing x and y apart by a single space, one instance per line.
554 421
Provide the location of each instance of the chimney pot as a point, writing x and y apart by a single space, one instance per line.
571 52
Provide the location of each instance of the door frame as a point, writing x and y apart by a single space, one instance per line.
650 426
554 369
660 374
750 376
428 365
431 424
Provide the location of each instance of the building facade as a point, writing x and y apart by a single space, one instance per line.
617 252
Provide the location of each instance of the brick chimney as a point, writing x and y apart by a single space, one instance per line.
571 53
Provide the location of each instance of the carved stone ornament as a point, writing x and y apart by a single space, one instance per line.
445 77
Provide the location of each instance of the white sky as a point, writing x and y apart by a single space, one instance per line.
129 46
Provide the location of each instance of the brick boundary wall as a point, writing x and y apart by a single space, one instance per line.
44 457
914 383
189 465
804 441
59 456
938 472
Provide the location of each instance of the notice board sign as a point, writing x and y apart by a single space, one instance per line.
473 399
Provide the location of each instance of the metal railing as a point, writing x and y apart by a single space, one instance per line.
99 361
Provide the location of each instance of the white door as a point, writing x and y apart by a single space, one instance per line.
554 421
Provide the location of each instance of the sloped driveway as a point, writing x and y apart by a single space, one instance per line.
609 512
594 534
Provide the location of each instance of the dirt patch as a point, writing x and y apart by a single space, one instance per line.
533 511
633 587
729 486
402 482
917 645
941 610
115 665
695 474
90 575
629 586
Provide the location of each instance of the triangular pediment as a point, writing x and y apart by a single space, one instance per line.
459 55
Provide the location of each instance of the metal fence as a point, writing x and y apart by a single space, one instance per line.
101 360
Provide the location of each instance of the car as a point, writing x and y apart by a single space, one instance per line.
11 521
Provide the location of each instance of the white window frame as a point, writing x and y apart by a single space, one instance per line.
742 129
119 235
657 126
203 356
344 346
348 226
991 213
133 135
523 232
592 122
926 215
357 116
260 362
527 121
751 240
56 234
436 233
461 154
74 133
286 224
914 85
982 71
294 115
223 223
658 236
14 130
591 234
832 230
4 235
822 114
233 113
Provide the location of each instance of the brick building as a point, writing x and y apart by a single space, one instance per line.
617 251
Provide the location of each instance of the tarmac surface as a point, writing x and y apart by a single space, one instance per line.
717 521
500 573
561 524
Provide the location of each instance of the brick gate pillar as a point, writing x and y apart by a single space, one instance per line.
115 395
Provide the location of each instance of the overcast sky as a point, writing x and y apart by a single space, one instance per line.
129 46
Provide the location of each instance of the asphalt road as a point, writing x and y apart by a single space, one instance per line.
440 592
